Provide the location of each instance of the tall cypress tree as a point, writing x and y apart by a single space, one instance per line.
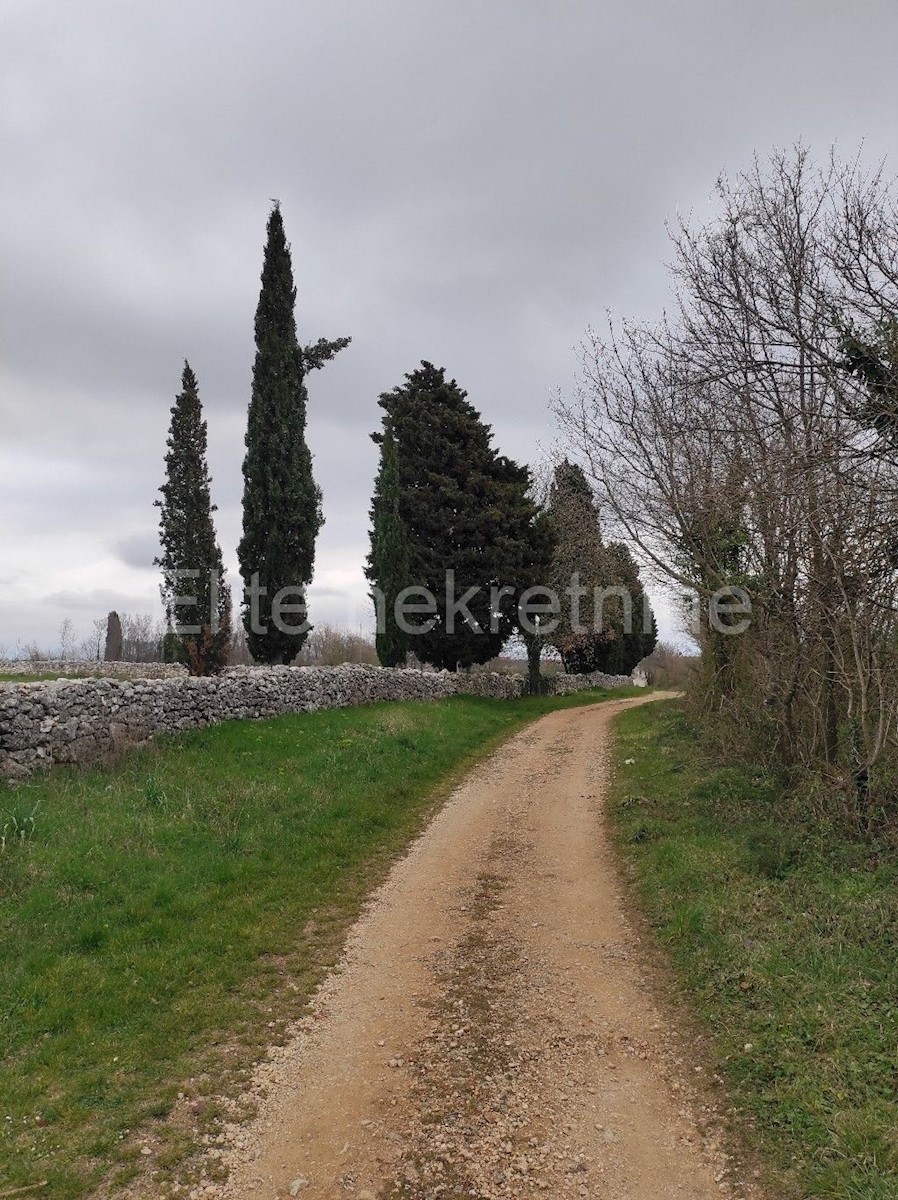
465 508
191 559
388 561
642 637
281 501
590 638
579 558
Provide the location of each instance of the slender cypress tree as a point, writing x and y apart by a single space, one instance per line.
642 636
281 501
388 560
579 559
191 558
466 509
588 637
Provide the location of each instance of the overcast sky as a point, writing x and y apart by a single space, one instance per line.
466 181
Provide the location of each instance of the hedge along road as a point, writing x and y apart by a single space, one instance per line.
492 1030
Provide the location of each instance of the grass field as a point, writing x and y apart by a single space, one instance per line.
162 918
784 937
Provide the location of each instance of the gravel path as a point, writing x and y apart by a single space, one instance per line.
491 1032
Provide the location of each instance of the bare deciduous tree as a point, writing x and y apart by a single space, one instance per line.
733 442
66 638
328 646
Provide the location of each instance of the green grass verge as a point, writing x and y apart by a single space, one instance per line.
784 937
38 676
8 677
165 916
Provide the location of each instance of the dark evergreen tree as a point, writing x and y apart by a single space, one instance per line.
579 559
466 509
873 360
191 559
173 649
537 574
649 635
639 635
281 501
611 633
388 561
114 638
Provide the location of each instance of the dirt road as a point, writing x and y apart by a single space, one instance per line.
491 1032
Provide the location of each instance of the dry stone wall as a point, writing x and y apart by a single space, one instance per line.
495 684
565 684
80 720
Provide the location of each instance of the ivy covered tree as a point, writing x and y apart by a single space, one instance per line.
873 360
388 561
194 592
281 501
467 511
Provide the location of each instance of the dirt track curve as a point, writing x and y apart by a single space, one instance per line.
491 1031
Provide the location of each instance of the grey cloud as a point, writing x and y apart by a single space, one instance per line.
97 603
327 593
137 550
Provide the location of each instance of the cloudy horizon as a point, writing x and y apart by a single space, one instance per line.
471 184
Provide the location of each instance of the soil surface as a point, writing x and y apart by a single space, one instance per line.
493 1030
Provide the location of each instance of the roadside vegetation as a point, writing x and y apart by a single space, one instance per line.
165 916
747 443
783 933
37 677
